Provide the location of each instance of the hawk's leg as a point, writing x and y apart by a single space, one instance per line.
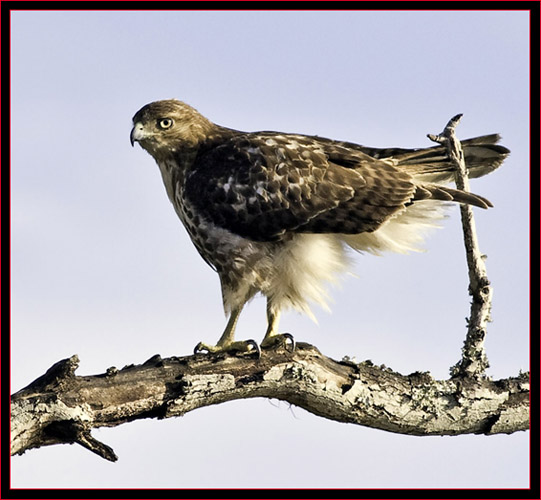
272 337
227 342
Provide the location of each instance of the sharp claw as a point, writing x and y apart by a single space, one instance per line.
281 340
199 348
291 338
255 345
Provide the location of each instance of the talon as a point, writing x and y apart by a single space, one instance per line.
292 342
245 347
199 348
255 346
284 340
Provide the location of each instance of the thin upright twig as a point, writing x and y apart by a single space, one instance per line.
474 361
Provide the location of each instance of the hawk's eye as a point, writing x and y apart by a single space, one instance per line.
165 123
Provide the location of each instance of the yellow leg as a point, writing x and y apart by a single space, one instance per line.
227 342
229 332
272 337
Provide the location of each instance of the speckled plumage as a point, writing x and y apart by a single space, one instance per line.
274 212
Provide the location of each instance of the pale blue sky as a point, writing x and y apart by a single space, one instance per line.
102 268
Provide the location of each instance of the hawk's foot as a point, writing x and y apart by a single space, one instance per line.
284 340
241 346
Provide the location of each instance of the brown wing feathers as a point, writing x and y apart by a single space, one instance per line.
262 185
443 193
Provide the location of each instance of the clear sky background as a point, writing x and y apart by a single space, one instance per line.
102 267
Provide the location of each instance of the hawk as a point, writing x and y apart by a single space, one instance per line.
276 212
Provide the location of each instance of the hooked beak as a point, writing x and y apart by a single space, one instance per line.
136 133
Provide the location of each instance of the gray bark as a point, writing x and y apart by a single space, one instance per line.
474 361
61 407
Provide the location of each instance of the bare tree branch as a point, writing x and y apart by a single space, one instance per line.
474 361
61 407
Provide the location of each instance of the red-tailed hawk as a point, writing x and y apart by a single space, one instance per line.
275 213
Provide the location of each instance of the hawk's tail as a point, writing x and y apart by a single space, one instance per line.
482 156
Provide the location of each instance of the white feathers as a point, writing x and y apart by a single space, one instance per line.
302 267
166 169
403 233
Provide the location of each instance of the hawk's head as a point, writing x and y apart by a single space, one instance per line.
163 127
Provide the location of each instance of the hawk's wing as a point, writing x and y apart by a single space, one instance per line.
260 185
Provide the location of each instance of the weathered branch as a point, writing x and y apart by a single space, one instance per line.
474 361
61 407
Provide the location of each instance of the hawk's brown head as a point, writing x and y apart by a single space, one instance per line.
162 127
